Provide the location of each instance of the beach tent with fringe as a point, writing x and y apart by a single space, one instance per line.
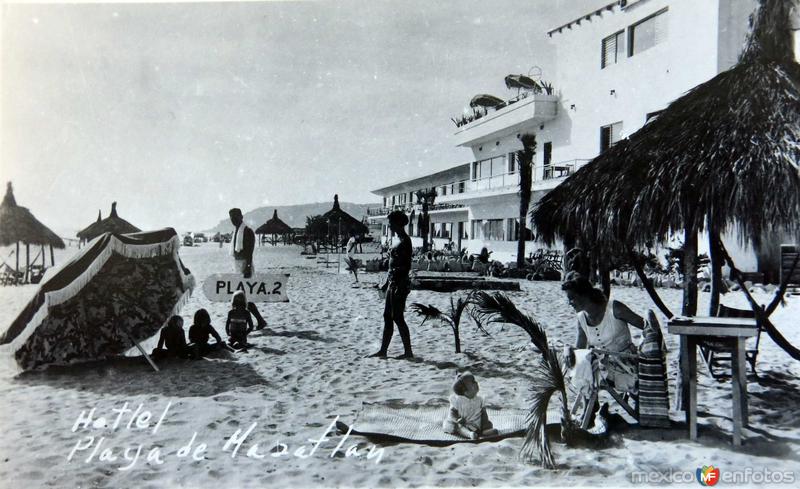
18 225
111 224
275 227
114 293
724 156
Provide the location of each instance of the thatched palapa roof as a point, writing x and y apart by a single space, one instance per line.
343 221
88 229
274 226
111 224
17 224
726 152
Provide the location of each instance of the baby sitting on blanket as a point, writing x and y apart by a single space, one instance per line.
467 416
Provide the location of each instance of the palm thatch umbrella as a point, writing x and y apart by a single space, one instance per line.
275 227
83 233
521 82
724 154
486 100
18 225
111 224
343 222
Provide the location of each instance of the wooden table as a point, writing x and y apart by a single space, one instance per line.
735 330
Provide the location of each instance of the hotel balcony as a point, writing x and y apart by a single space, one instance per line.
544 178
528 112
378 212
457 195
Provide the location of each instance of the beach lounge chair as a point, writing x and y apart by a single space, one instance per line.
651 407
9 276
717 353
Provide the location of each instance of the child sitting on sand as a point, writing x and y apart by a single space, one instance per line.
467 416
199 334
239 322
172 341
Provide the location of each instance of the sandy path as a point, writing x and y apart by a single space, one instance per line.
308 369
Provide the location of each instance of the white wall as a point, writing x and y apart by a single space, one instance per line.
704 37
643 83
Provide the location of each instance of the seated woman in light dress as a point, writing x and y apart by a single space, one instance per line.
602 330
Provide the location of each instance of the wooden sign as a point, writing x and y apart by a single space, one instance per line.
261 287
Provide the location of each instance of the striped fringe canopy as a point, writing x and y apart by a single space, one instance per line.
139 267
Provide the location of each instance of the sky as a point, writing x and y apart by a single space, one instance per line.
179 111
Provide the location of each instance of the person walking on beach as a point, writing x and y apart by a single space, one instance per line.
352 244
397 288
242 245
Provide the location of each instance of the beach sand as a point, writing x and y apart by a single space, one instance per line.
308 368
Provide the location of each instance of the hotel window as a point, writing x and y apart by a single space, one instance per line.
612 49
512 230
610 135
647 33
547 159
462 186
512 163
493 229
447 230
489 168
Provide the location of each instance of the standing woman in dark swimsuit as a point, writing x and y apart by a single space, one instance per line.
397 288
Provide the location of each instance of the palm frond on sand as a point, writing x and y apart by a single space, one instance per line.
498 308
428 311
548 376
452 318
548 381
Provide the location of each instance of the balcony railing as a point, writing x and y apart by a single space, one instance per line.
446 206
541 173
526 113
493 182
378 211
561 169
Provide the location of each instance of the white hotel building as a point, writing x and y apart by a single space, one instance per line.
615 68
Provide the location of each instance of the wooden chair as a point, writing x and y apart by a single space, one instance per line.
9 276
650 405
717 353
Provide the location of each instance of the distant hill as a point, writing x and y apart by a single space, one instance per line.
293 215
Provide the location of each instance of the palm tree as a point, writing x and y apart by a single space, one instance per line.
425 198
451 318
525 162
548 380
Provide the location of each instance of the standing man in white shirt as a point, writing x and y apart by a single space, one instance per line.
243 243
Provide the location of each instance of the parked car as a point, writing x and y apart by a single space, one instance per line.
188 241
200 238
